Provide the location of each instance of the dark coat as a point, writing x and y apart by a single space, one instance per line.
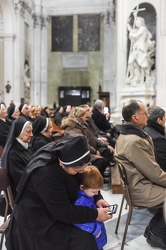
18 158
28 118
39 141
4 131
156 131
100 120
58 118
45 210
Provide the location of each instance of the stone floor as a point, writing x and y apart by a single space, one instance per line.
135 239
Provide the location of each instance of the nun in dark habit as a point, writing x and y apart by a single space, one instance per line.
13 112
42 132
17 151
24 111
45 212
5 125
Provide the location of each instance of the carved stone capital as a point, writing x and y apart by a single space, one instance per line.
21 7
37 19
44 21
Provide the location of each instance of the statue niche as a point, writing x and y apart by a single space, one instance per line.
27 81
141 58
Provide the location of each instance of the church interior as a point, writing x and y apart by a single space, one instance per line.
78 51
74 52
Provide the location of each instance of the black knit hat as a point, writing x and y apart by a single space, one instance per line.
71 149
75 148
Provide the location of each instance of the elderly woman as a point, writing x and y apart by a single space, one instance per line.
17 151
5 125
42 132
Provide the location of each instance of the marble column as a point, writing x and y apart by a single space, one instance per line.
44 60
19 54
8 67
161 56
37 60
109 66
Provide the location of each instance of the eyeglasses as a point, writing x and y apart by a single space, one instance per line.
145 113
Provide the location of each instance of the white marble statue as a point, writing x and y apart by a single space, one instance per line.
142 51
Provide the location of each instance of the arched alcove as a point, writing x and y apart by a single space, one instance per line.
149 15
141 45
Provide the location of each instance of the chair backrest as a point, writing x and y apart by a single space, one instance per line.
7 202
1 151
4 180
124 183
5 187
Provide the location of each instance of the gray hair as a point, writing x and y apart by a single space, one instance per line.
99 104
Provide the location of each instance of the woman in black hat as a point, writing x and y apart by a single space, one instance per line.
42 132
45 212
17 151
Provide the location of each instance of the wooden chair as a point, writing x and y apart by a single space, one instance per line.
9 203
126 196
1 151
58 132
115 180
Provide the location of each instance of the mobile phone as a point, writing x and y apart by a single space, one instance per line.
106 110
113 208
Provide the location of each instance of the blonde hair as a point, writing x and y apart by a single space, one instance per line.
77 112
91 177
33 112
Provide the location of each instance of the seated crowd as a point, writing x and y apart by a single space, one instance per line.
25 129
30 152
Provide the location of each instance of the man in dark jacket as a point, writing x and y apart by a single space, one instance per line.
156 129
100 118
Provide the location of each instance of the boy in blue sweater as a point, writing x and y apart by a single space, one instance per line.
91 183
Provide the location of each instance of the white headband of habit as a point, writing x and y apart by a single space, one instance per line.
71 162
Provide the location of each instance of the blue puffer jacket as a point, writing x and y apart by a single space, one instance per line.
93 227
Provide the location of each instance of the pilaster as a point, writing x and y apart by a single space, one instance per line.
37 59
44 59
8 66
20 9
